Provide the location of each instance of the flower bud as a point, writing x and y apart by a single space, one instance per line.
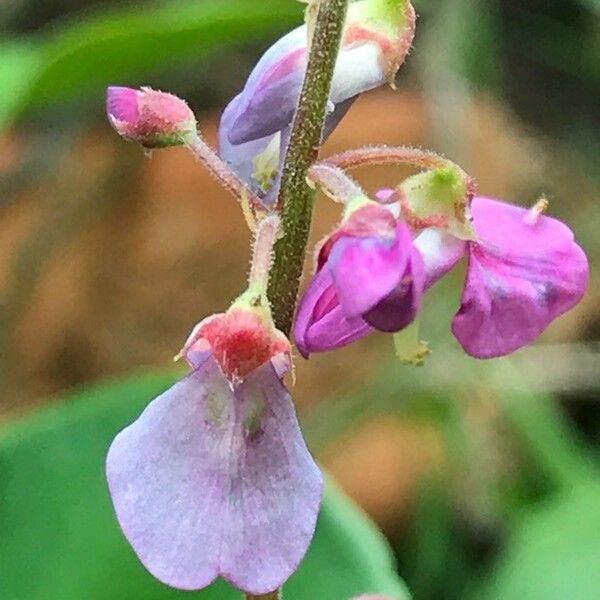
153 119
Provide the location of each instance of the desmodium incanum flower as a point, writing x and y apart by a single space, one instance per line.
214 478
524 270
255 125
215 469
370 275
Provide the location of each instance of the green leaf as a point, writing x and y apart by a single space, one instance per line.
19 63
555 552
125 46
59 539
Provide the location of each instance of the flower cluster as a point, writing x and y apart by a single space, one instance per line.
214 478
524 268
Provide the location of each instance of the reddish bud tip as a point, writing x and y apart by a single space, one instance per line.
241 340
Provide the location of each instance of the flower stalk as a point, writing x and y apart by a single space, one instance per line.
296 198
334 183
223 174
262 254
386 155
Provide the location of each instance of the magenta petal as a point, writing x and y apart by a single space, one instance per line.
366 269
521 276
400 308
212 482
122 104
320 323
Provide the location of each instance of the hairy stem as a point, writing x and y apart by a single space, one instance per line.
223 173
295 196
262 254
386 155
334 183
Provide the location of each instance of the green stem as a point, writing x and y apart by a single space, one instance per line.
296 199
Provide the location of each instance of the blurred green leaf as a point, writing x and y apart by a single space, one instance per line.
19 63
554 554
125 45
59 539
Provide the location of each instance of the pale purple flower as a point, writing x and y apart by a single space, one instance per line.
152 118
370 275
214 478
257 121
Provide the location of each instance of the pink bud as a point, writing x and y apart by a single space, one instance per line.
152 118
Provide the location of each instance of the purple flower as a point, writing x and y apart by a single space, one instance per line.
152 118
524 272
321 323
255 125
214 478
370 275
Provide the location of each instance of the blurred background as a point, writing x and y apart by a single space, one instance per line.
482 475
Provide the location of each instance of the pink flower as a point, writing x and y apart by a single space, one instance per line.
370 275
525 270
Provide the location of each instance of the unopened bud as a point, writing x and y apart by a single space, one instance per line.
153 119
